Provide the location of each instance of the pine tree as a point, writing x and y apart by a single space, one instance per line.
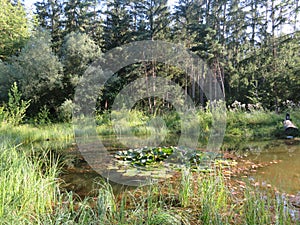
116 24
157 19
237 43
210 42
49 14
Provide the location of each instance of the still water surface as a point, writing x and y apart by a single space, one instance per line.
284 171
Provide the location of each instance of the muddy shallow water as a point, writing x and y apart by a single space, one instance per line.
283 172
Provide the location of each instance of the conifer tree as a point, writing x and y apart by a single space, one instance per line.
49 14
79 15
116 24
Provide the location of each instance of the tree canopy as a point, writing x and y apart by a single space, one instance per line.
245 43
14 29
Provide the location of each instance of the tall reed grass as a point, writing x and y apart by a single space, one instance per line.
240 124
27 133
25 191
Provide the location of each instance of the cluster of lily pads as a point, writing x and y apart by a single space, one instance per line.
147 156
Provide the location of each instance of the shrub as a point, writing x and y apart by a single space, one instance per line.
16 107
42 117
65 111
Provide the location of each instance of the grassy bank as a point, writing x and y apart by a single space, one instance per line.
241 125
30 190
190 199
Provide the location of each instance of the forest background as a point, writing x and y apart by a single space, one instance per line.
246 44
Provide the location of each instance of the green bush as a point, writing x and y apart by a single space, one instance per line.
43 116
15 110
65 111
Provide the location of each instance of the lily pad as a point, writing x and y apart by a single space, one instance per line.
151 157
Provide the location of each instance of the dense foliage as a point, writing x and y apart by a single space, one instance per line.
43 57
13 28
252 48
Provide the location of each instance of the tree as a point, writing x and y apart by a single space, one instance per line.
209 41
49 15
116 24
188 25
14 29
242 42
79 15
157 20
39 73
62 17
6 80
154 24
77 53
237 44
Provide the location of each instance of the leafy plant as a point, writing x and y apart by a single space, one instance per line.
16 107
65 111
42 117
145 156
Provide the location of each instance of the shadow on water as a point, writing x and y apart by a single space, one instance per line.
87 183
77 175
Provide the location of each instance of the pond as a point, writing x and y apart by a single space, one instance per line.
283 172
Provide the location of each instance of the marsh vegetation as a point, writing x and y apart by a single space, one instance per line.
35 158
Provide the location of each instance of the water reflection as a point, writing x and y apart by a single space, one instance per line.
284 170
282 155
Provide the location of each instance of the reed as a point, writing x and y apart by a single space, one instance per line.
26 192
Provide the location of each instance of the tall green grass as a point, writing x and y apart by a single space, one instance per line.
29 194
25 191
264 208
28 134
208 200
29 170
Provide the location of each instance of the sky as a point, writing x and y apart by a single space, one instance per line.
29 4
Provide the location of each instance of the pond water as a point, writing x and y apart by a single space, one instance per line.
283 171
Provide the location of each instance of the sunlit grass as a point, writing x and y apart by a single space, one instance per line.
27 133
206 200
25 191
30 195
240 125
